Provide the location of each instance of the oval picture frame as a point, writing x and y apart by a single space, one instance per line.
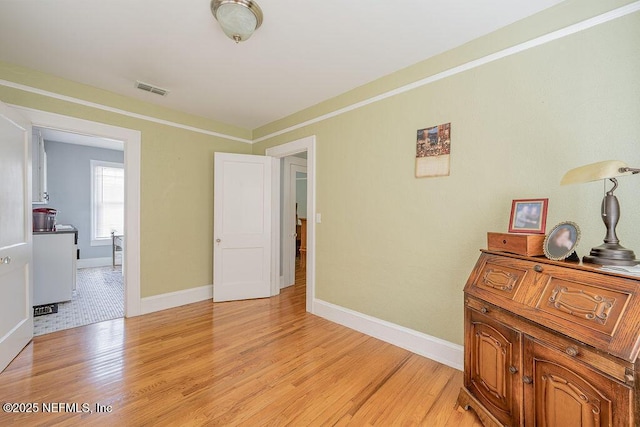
561 240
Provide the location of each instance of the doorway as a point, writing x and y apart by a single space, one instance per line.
132 155
294 215
305 145
82 178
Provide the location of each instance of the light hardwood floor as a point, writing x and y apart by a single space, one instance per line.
254 363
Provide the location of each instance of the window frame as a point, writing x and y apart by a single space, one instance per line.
100 241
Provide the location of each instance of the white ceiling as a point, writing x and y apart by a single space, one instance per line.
306 51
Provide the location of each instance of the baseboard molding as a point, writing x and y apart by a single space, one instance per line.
425 345
95 262
175 299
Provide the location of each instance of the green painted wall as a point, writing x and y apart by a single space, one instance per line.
176 243
391 245
400 248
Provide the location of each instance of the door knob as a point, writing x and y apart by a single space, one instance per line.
218 240
527 379
513 369
5 260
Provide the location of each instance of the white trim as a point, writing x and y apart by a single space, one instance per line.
175 299
563 32
416 342
118 110
307 144
132 158
95 262
538 41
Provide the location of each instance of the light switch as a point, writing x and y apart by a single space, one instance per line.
318 218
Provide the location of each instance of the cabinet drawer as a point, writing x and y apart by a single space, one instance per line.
586 307
499 278
584 304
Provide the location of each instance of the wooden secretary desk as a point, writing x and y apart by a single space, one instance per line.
550 343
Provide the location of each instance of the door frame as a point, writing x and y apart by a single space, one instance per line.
291 164
307 144
132 155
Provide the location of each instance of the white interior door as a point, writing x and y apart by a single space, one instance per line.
242 227
292 166
16 312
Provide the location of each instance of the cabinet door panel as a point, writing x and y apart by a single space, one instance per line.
566 393
493 363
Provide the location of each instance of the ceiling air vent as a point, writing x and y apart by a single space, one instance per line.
151 88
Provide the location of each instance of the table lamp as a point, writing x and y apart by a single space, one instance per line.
610 252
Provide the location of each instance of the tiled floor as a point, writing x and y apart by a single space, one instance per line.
99 296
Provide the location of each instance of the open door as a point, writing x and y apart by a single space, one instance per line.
16 319
242 227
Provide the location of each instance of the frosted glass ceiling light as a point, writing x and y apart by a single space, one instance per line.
610 252
238 18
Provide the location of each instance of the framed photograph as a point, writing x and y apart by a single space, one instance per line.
561 241
528 216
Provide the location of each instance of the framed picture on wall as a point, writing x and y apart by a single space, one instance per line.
528 216
433 151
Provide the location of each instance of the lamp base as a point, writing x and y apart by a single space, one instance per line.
611 254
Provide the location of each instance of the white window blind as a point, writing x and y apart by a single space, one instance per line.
107 200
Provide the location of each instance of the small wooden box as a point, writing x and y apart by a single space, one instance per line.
521 244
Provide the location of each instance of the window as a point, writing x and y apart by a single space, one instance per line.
107 201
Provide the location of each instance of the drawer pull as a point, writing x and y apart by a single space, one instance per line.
484 310
513 369
537 268
571 351
527 379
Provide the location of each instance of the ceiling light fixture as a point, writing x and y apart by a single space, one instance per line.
238 18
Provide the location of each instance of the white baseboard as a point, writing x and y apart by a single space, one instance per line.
175 299
94 262
425 345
